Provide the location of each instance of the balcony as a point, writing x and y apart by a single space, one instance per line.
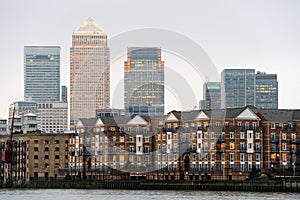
186 129
111 143
87 153
295 161
221 139
295 141
169 129
184 140
243 150
87 144
99 152
112 152
274 150
162 150
191 150
275 140
258 150
275 161
221 150
72 153
200 128
295 151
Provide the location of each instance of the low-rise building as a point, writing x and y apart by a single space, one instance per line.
3 126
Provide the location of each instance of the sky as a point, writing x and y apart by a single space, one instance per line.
260 34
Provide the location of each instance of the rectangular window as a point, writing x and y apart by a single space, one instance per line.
257 135
231 157
231 146
283 146
212 157
231 135
242 135
242 157
257 157
284 136
273 126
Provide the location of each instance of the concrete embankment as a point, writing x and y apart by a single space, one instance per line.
255 186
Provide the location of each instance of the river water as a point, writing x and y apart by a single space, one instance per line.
73 194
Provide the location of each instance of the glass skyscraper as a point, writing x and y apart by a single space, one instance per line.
89 71
266 88
211 95
144 81
42 73
237 88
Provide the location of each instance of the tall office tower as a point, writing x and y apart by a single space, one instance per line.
42 73
237 88
266 90
211 95
64 93
89 71
144 81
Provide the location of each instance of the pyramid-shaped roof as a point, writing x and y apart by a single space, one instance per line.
89 26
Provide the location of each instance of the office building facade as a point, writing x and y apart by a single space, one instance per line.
144 81
54 116
42 73
89 71
266 90
211 95
237 88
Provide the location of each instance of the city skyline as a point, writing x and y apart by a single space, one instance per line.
237 36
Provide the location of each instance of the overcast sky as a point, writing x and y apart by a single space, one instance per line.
260 34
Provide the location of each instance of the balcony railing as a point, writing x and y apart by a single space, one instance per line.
186 129
274 150
243 150
295 151
184 140
201 128
258 150
275 162
221 139
221 150
169 129
191 150
275 140
295 141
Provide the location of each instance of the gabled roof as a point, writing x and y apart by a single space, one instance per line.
86 122
108 121
247 113
137 120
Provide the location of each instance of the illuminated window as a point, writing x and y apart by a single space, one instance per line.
231 146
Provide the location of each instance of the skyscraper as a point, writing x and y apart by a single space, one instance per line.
144 81
89 71
237 88
211 95
266 90
42 73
